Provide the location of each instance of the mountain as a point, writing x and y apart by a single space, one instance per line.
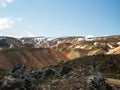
41 41
10 42
74 47
30 57
64 63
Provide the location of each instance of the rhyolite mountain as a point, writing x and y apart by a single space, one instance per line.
72 47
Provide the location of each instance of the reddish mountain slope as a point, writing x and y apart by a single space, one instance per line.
30 57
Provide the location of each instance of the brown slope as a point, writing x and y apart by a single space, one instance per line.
30 57
113 82
114 51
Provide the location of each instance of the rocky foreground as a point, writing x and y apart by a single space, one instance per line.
54 77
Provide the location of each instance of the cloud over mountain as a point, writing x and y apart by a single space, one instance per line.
29 34
8 22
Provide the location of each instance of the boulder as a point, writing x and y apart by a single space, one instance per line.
65 70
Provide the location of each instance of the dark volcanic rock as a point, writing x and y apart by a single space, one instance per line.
49 72
95 80
58 77
11 83
18 70
17 78
65 70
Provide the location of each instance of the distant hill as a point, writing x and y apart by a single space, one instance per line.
10 42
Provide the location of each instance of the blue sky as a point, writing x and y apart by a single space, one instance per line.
54 18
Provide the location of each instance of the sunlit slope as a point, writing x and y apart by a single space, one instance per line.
30 57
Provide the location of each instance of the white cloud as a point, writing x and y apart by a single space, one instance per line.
7 23
29 34
9 1
4 3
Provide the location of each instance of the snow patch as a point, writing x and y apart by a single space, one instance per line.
50 39
2 38
77 47
58 42
90 38
110 46
95 43
80 39
118 43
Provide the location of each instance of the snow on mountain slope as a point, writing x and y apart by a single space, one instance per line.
72 47
76 46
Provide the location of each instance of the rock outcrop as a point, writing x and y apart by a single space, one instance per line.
58 77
